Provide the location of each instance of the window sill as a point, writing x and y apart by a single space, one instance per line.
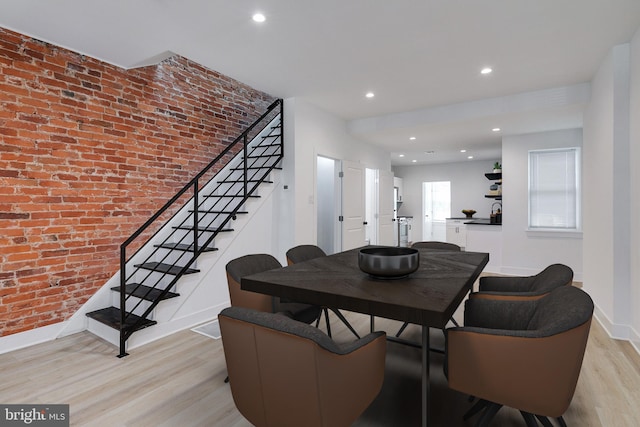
554 233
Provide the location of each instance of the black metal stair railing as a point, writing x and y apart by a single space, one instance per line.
209 211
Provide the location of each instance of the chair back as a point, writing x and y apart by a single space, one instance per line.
441 246
303 253
285 373
245 266
534 367
553 276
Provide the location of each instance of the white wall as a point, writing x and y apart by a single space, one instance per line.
525 253
634 139
607 203
468 187
309 132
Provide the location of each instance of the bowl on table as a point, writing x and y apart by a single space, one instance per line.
388 262
468 212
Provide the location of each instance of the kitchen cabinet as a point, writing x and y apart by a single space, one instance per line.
457 231
486 238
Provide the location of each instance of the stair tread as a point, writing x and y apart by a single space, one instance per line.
110 316
220 212
208 229
258 167
183 247
236 181
261 156
229 196
144 292
165 268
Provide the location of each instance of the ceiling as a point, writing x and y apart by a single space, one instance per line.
421 58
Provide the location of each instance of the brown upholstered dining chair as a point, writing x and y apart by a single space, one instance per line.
285 373
258 263
303 253
527 287
525 354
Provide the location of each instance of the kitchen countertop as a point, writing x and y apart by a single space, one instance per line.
480 221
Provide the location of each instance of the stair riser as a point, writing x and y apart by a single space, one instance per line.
186 237
131 302
103 331
150 278
210 220
222 203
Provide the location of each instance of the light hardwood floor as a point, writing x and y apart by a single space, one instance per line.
178 381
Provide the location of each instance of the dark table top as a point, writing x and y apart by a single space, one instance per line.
428 296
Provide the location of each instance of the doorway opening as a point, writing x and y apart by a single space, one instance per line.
328 205
436 208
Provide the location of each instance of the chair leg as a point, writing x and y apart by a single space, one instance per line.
326 318
226 380
544 420
454 322
561 421
345 321
529 419
404 326
477 407
488 414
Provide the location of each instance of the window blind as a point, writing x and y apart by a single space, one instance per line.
554 189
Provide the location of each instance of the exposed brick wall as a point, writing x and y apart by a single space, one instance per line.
88 152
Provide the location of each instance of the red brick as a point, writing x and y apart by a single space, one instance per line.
89 151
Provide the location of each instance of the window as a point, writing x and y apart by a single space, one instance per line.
554 189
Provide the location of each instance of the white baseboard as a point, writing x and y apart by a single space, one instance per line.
161 330
617 331
29 338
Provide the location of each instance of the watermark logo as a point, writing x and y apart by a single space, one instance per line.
34 415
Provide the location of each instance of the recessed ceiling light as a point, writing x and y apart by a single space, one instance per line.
414 161
370 95
400 155
259 17
486 70
496 129
412 138
463 151
429 152
469 157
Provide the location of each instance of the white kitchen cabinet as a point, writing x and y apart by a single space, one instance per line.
486 238
457 231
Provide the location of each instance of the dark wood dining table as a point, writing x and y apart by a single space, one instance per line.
427 297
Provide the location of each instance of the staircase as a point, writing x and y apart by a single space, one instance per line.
166 248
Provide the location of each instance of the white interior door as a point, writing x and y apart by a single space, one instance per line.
353 205
386 224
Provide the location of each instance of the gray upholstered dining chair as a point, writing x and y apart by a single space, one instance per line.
285 373
441 246
303 253
258 263
525 354
524 287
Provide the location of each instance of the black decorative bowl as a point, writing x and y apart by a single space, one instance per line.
388 262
